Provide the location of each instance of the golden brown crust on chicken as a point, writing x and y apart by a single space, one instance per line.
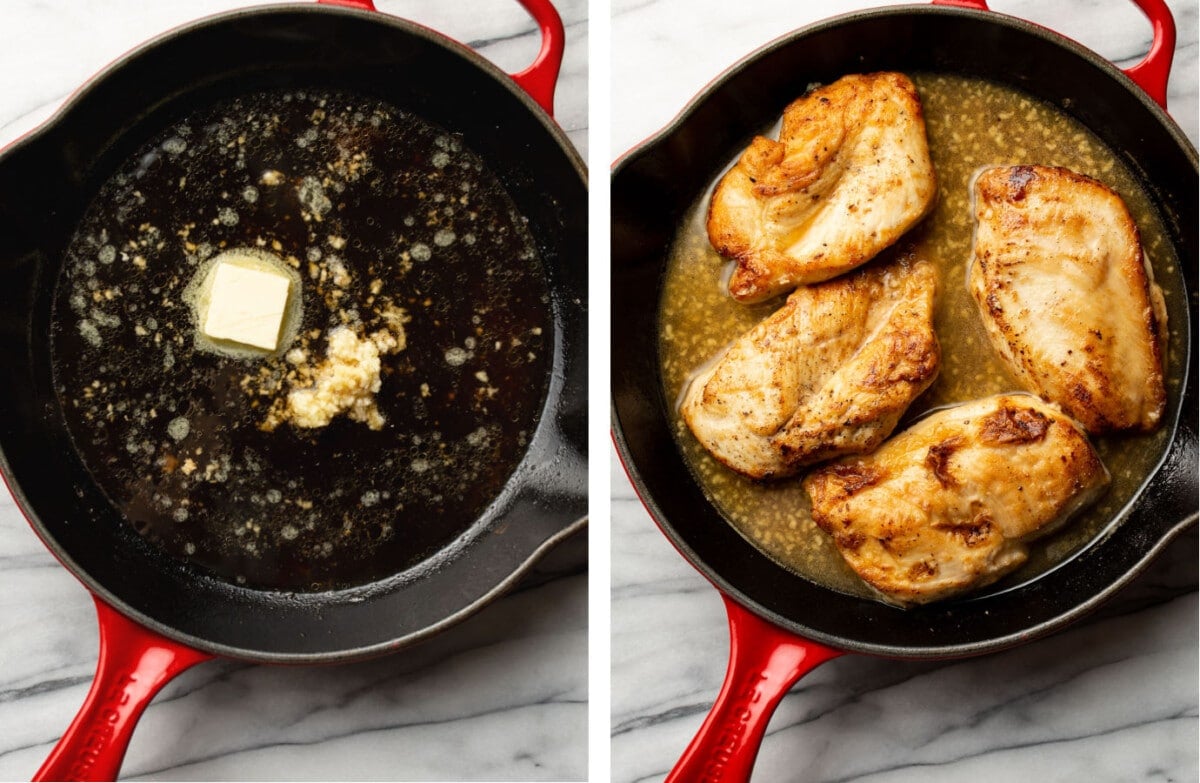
830 373
848 176
1067 297
948 505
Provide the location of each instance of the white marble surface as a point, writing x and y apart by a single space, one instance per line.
1113 698
500 697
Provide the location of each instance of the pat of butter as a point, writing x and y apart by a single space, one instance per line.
246 305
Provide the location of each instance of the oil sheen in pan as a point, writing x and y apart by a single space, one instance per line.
384 217
970 123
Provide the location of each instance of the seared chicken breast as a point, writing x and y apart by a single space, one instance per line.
948 505
1067 297
828 374
849 174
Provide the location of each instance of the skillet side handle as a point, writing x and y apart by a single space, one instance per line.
764 663
1152 73
134 664
540 79
979 5
362 5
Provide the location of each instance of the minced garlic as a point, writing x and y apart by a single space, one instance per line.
345 381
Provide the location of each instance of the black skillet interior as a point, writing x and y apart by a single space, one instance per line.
47 181
656 183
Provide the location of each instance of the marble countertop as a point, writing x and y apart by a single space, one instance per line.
502 696
1112 698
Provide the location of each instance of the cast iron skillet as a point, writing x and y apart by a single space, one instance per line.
158 617
782 625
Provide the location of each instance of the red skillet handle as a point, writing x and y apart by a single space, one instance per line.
1152 72
134 664
764 663
541 78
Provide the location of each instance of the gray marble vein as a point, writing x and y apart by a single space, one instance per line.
1110 699
502 696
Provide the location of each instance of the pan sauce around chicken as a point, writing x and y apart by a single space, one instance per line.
970 123
415 272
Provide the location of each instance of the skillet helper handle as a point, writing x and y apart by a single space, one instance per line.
540 79
1152 72
134 664
764 663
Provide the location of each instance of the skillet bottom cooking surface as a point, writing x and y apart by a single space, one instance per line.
391 226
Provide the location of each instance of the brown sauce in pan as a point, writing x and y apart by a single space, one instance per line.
970 123
377 210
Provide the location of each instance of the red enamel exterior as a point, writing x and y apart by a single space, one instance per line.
541 77
1151 73
135 663
764 663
